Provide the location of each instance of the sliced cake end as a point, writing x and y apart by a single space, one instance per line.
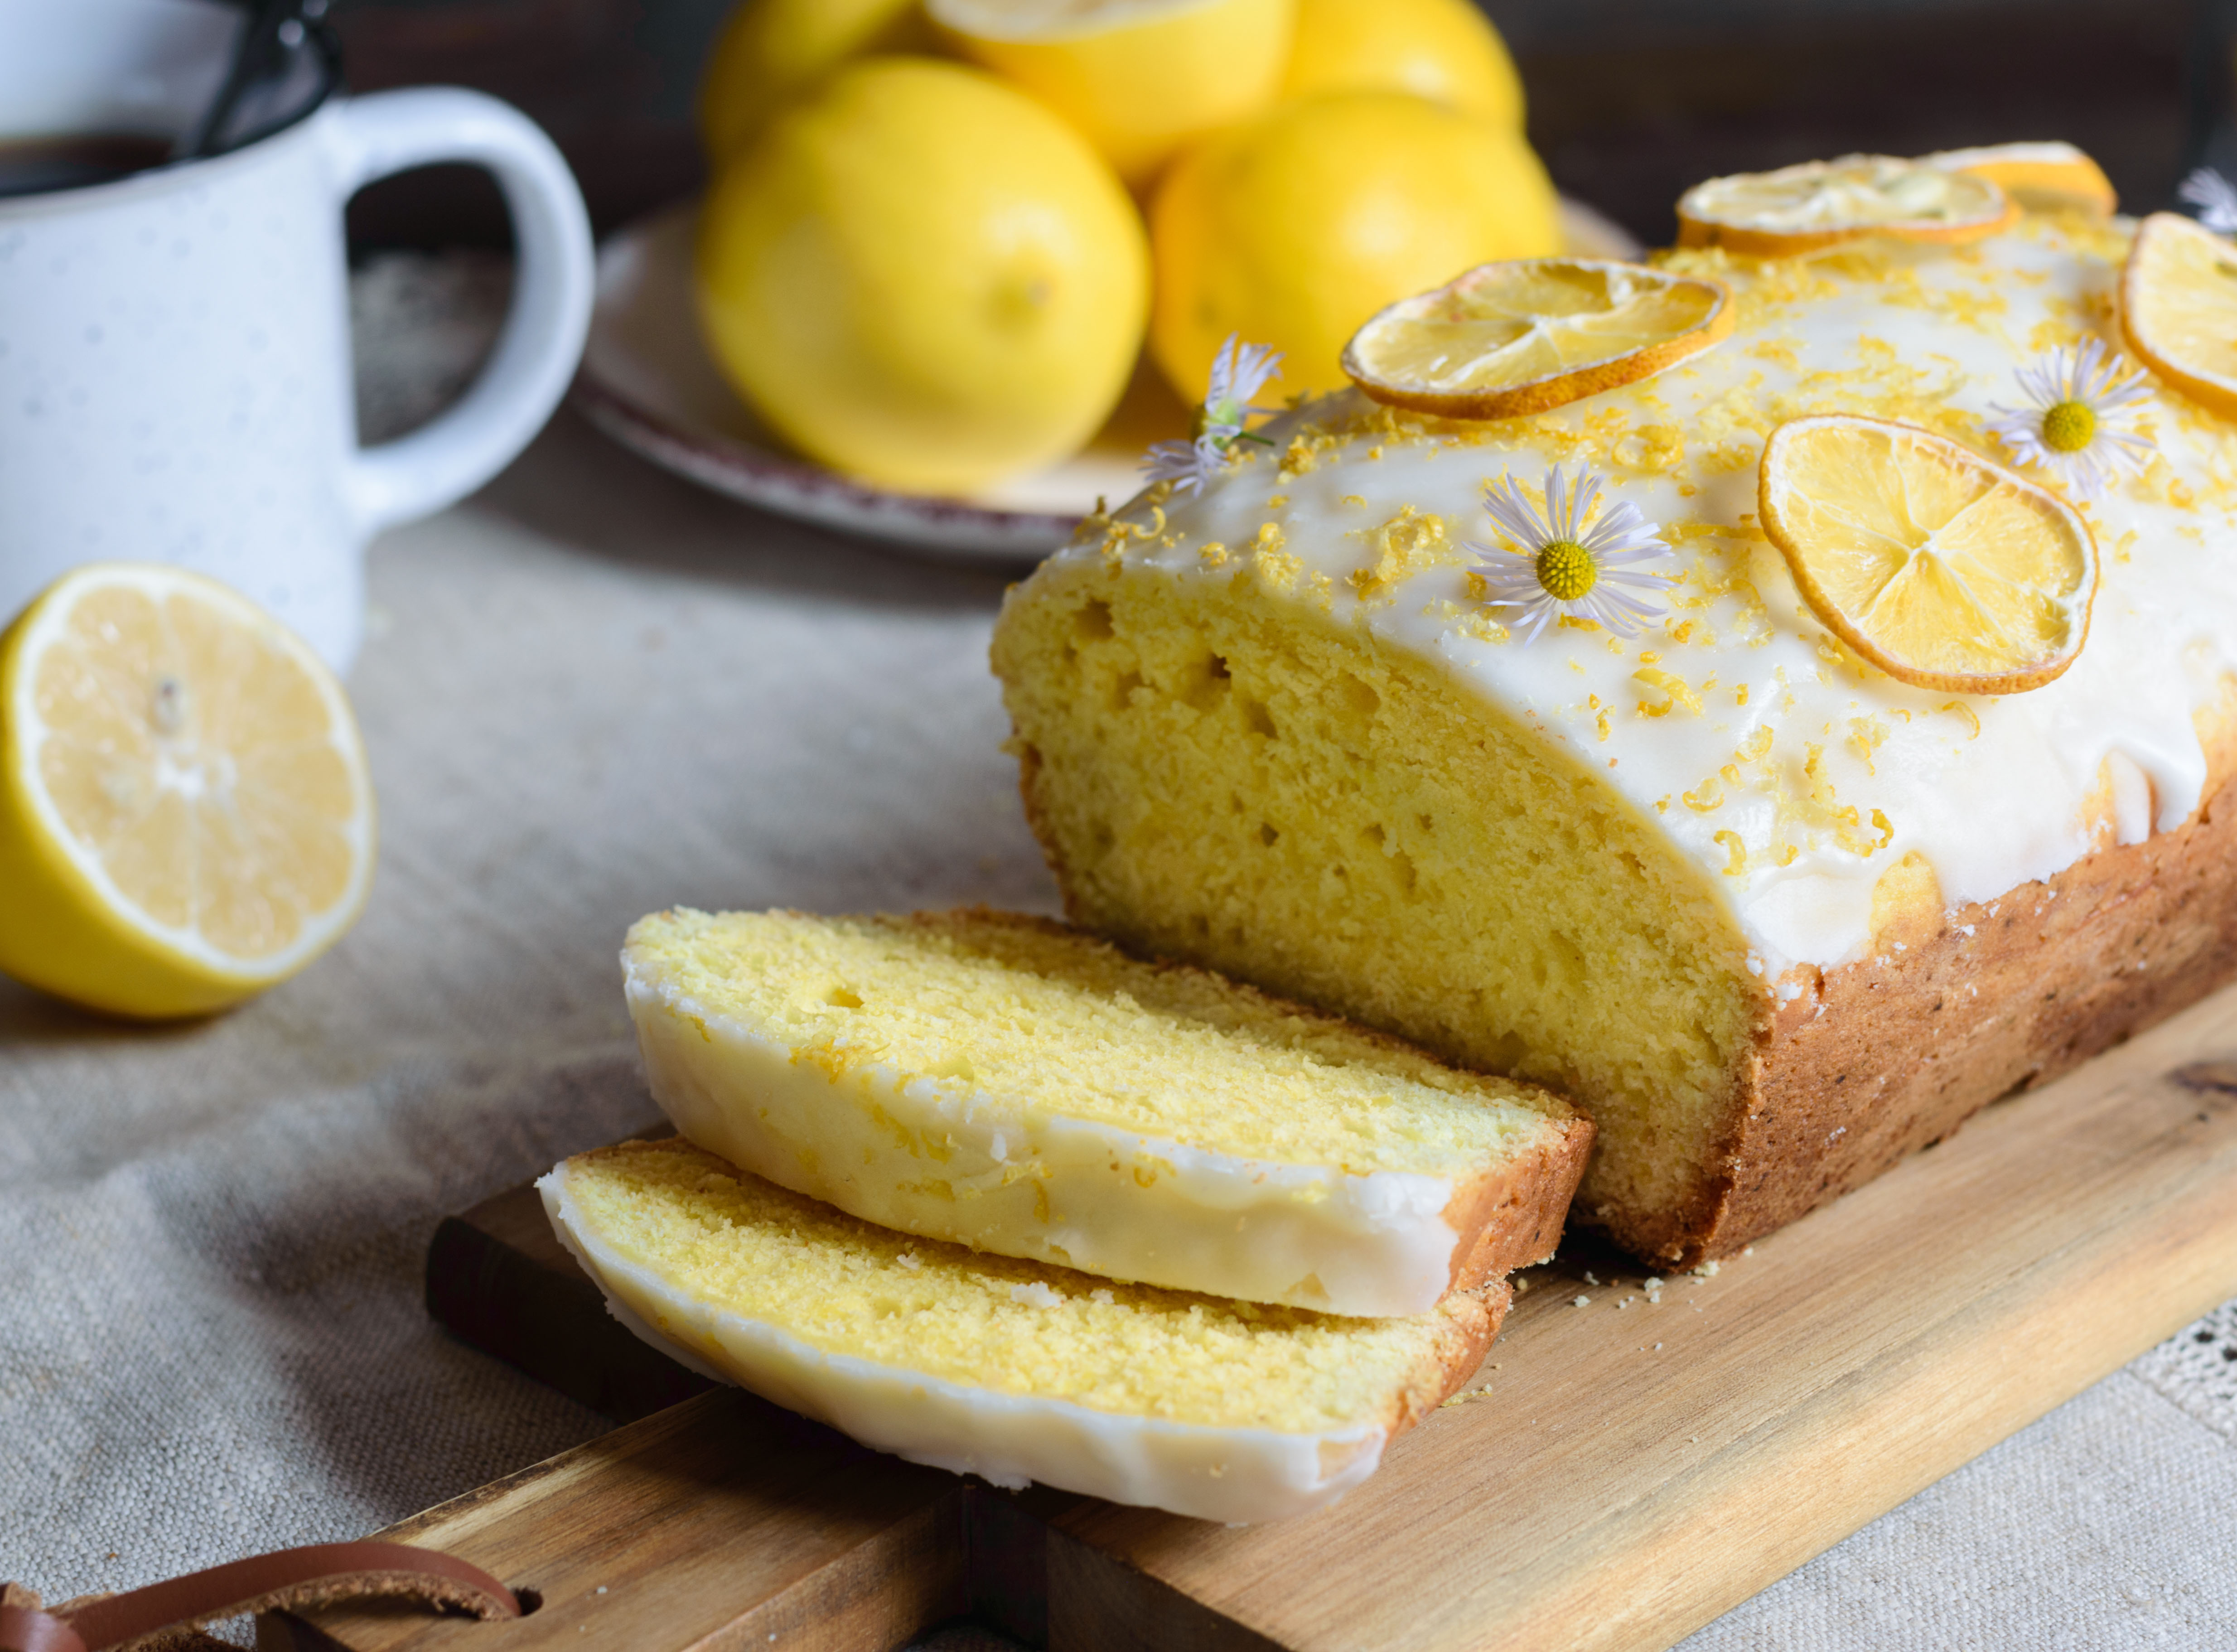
1008 1369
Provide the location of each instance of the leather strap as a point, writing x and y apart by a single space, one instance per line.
28 1629
311 1576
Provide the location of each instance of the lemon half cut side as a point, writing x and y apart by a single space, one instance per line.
1445 50
1821 204
186 816
1941 567
1529 333
2179 309
1140 79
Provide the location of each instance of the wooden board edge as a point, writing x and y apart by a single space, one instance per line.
869 1591
1098 1602
884 1593
490 1284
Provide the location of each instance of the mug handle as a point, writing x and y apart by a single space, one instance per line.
446 459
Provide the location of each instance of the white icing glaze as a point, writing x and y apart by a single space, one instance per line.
1934 335
1227 1474
944 1161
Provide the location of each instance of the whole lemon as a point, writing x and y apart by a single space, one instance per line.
769 51
923 277
1293 229
1141 78
1445 50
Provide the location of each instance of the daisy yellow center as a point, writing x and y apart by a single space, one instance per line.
1228 411
1566 569
2067 428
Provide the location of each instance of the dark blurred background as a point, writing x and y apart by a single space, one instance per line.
1631 101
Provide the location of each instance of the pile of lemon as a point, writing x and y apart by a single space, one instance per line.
941 231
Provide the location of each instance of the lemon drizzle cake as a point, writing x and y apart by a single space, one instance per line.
1011 1084
1006 1369
1773 917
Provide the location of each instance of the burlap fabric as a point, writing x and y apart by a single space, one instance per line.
591 692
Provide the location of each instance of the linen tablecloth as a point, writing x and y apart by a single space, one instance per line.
592 691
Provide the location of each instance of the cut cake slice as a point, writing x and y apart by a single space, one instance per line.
1018 1086
1010 1370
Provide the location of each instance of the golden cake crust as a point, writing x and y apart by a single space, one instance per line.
1516 1212
1879 1057
1473 1319
1957 1008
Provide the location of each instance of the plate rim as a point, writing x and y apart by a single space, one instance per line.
800 486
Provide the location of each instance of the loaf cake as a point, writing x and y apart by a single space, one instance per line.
1772 916
1010 1370
1017 1086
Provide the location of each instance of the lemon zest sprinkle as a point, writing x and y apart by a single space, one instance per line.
1867 735
1673 686
1736 849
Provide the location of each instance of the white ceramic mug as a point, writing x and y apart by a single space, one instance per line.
175 347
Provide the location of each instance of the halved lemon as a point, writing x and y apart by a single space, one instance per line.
185 814
1820 203
1528 333
1942 568
2039 177
1139 78
2179 309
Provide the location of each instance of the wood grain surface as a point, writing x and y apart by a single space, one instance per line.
1622 1471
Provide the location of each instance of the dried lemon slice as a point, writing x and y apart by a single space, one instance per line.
2179 309
1799 208
1940 568
2039 177
185 815
1530 333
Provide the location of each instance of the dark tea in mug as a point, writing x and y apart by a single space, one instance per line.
33 166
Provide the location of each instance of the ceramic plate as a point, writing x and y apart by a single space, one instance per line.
647 382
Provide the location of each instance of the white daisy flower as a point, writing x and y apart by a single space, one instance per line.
1187 466
2214 196
1557 566
1238 372
2078 428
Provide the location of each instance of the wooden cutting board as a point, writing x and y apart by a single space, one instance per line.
1625 1469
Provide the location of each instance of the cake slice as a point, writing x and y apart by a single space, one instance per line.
1021 1087
1009 1370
